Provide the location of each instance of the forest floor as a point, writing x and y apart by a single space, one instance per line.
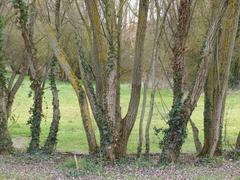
23 166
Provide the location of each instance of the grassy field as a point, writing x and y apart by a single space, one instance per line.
72 136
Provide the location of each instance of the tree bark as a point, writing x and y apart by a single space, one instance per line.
26 21
130 118
150 115
140 133
82 99
51 141
181 111
175 134
197 142
99 49
6 145
218 85
36 118
8 90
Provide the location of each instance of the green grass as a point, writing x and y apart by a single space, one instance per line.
72 136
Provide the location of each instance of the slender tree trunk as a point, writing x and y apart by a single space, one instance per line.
5 139
210 101
36 118
51 141
152 100
150 76
150 115
128 121
6 145
8 90
81 95
26 21
197 142
140 140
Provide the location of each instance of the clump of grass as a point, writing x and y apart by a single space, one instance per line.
81 167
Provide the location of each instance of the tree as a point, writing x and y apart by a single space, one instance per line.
26 20
5 141
114 130
78 88
51 141
8 90
182 108
217 81
151 76
105 103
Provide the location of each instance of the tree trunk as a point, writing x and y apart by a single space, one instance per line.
81 95
197 142
130 118
150 115
181 111
144 101
36 118
6 145
176 133
8 90
5 139
51 141
209 109
209 119
217 85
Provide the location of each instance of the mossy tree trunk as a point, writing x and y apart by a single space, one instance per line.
176 132
51 141
5 139
26 22
6 145
78 88
8 90
217 83
197 142
182 109
36 117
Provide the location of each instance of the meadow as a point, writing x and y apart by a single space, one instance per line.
72 137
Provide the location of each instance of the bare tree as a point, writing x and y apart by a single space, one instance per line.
217 81
51 141
26 20
182 108
8 90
